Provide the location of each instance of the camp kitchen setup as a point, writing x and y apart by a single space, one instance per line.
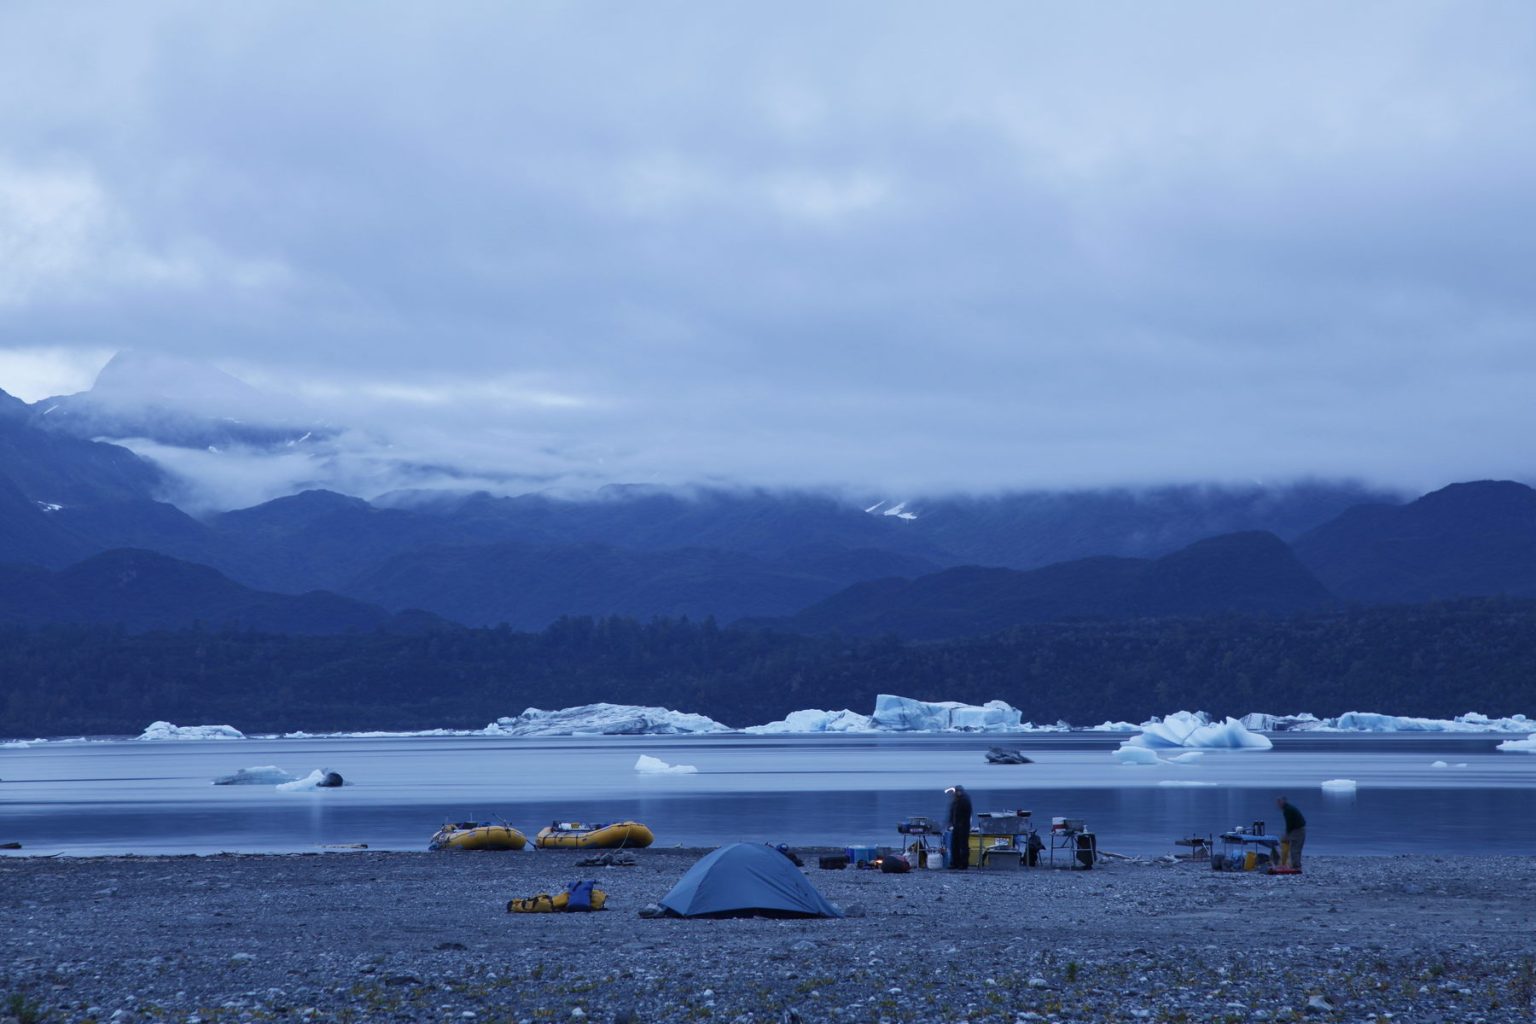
999 841
1248 848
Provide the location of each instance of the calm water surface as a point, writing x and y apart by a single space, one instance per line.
137 797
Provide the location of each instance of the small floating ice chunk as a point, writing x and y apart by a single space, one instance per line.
1188 757
1525 746
1339 785
645 764
263 775
1184 782
167 731
1439 764
1135 755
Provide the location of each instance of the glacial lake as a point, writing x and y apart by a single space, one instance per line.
130 796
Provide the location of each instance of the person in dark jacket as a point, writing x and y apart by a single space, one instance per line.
959 828
1295 831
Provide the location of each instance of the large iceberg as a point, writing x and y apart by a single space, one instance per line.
814 720
1196 729
903 714
603 720
167 731
1525 746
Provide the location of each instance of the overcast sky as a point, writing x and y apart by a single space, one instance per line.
912 247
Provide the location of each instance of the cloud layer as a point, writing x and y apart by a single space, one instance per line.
865 244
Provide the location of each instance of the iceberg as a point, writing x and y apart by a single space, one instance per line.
903 714
1371 721
1184 783
1259 722
815 721
1130 753
265 775
167 731
648 765
1195 729
1525 746
1368 721
603 720
1339 785
1114 727
317 779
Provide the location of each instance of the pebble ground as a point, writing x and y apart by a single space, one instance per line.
364 936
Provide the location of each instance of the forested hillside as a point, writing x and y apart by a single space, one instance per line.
1425 660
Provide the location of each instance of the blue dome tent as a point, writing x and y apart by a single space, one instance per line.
746 879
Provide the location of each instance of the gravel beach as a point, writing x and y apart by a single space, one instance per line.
362 936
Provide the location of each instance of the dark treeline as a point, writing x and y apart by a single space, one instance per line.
1436 660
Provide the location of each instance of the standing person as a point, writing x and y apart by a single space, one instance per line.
1295 831
959 828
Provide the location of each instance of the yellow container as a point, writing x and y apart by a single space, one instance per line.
1250 860
981 843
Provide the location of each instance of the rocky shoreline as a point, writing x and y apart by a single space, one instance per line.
364 936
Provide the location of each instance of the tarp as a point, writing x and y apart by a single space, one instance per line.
743 879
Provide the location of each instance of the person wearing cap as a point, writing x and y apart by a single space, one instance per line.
1295 831
959 828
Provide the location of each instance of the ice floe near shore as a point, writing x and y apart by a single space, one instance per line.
1371 721
904 714
815 720
1339 785
167 731
1196 729
603 720
893 714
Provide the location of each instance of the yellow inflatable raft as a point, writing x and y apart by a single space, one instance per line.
470 835
573 835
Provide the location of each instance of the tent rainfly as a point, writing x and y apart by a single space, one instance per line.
743 880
